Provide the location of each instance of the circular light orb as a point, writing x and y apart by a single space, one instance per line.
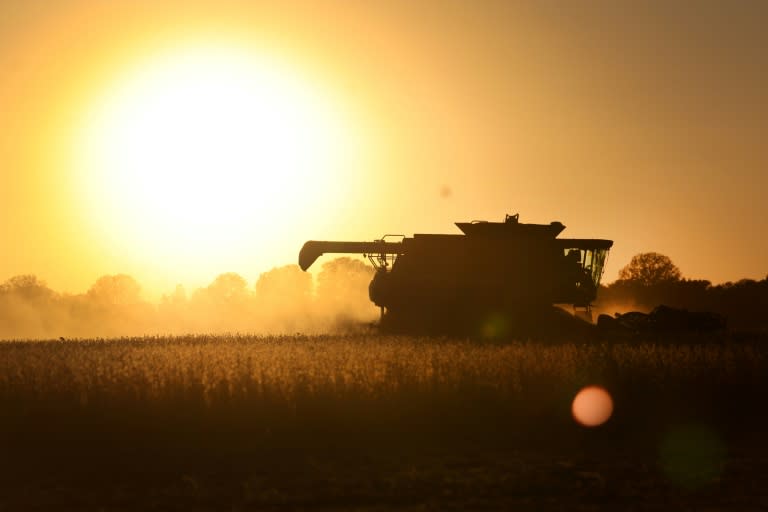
592 406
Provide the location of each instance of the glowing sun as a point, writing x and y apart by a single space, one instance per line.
206 148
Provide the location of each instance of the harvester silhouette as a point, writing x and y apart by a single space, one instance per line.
495 278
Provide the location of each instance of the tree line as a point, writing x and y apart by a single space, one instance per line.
282 300
651 279
287 300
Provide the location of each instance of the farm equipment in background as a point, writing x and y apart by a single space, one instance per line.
661 320
495 278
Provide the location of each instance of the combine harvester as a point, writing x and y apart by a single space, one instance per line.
495 279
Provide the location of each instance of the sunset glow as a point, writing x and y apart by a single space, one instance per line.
404 255
199 147
173 141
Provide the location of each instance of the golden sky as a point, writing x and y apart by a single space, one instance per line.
174 141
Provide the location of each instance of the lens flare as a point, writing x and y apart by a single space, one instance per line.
692 455
592 406
495 326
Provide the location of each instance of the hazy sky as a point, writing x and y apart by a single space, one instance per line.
642 122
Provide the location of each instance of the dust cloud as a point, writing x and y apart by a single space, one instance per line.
618 307
284 300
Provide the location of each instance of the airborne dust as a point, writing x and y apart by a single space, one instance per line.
284 300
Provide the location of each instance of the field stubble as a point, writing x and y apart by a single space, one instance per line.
260 421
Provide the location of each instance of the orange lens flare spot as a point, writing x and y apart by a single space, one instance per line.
592 406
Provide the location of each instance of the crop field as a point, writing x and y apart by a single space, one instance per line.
369 422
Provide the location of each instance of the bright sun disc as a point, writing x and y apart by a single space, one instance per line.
198 151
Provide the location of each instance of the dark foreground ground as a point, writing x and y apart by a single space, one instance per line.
380 424
214 475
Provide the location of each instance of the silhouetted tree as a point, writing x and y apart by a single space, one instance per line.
650 268
227 289
284 299
342 289
224 305
113 306
27 287
287 285
115 290
342 278
28 308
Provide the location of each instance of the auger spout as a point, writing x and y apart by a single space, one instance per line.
314 249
